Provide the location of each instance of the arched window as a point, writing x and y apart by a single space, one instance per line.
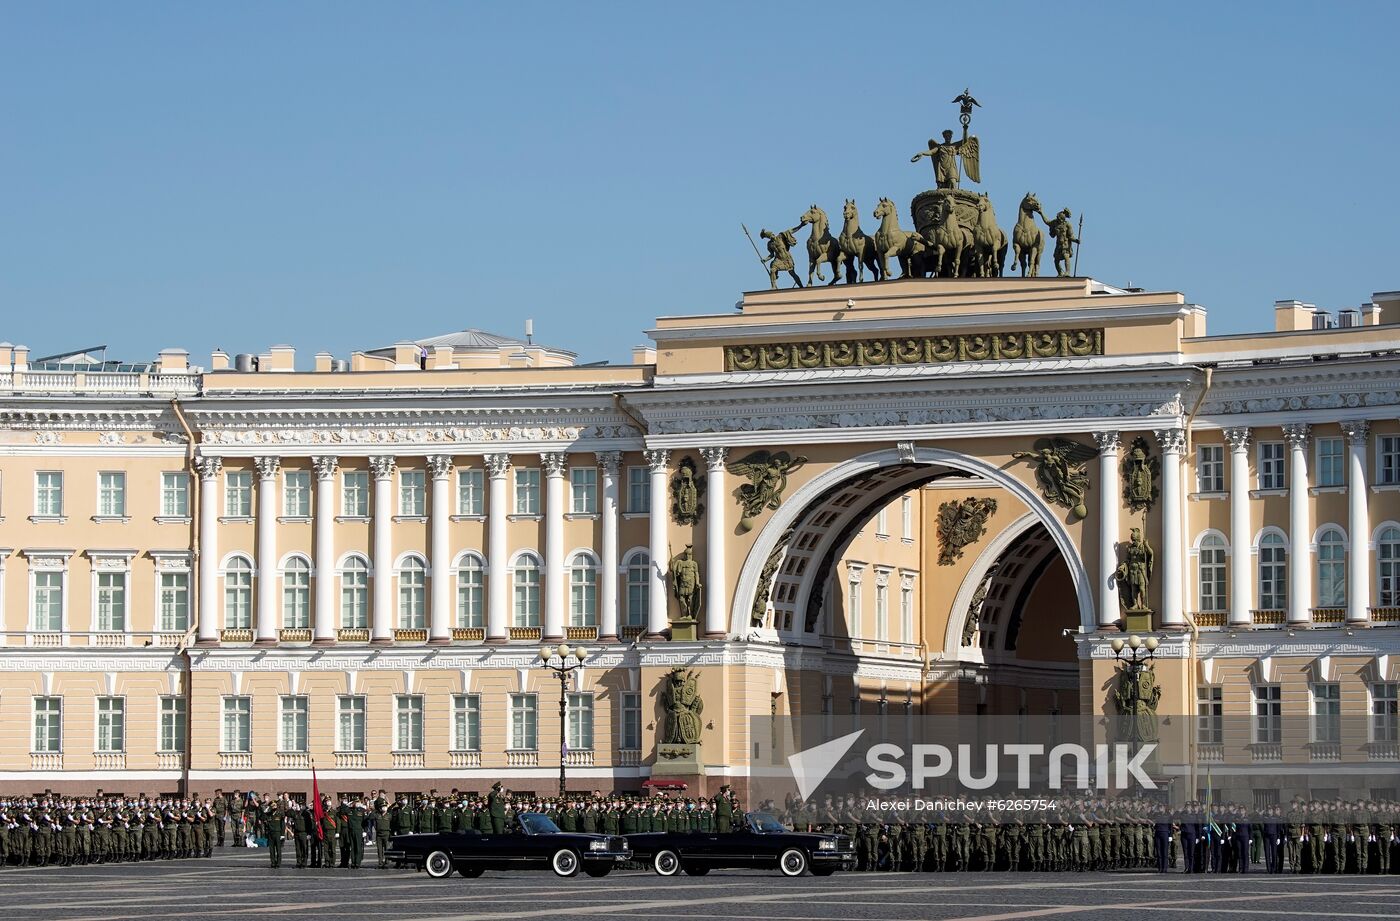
354 594
296 594
1388 568
583 591
1331 569
1273 573
1211 567
636 609
413 580
238 594
526 579
470 580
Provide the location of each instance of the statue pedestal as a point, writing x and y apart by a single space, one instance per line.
684 629
1137 622
682 762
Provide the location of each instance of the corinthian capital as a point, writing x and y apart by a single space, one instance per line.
554 463
1107 441
267 466
381 466
1356 430
715 456
1296 434
440 466
1237 438
209 467
657 459
610 461
497 465
1173 441
325 465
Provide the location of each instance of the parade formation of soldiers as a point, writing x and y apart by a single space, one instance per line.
67 831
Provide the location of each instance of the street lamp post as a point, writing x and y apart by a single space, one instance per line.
562 671
1138 652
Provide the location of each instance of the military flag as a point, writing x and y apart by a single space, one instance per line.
316 810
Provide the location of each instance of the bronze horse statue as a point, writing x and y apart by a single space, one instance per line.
821 246
857 249
1027 238
890 240
946 238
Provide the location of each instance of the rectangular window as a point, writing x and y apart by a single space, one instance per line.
583 489
238 724
638 491
111 602
882 522
48 725
354 494
238 494
631 733
882 612
1327 712
1268 714
1273 576
527 491
111 724
296 494
354 595
413 489
172 724
350 728
1331 462
48 494
906 614
292 738
469 593
408 721
854 617
470 492
1385 712
296 595
174 495
1271 465
580 722
1210 715
48 602
906 517
1210 468
111 495
466 722
1212 574
522 723
1388 460
174 602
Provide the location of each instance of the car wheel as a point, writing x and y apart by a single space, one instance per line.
598 871
692 869
438 865
666 863
793 862
469 872
564 862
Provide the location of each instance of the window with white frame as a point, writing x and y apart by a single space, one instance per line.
174 495
295 720
466 722
238 724
583 591
1210 566
172 724
238 594
1388 460
1385 712
638 491
854 604
238 494
48 494
1210 468
174 602
350 723
882 522
906 613
1331 462
354 594
583 490
579 722
630 731
1388 568
296 595
413 599
1331 569
527 491
1210 715
471 580
111 495
638 599
296 494
48 601
525 586
470 492
111 602
354 494
1273 573
413 491
1327 712
1268 714
1271 469
48 725
906 517
882 609
523 736
408 722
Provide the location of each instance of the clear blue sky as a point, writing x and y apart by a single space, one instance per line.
340 175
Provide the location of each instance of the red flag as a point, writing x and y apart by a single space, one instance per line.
317 812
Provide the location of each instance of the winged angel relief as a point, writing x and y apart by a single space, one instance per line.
767 478
1060 472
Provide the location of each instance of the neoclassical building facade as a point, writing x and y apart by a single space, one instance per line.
212 577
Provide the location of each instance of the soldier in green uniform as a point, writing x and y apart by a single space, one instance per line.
301 835
724 810
383 831
272 818
496 806
356 827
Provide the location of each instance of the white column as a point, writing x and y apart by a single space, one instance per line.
555 576
440 608
1173 443
324 624
1109 614
381 618
716 580
497 550
210 499
1358 524
1299 528
657 621
610 462
268 609
1241 538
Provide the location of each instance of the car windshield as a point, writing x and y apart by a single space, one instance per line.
532 823
765 824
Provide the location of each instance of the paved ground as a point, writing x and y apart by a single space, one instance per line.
238 884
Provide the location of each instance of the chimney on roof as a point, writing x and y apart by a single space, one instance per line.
643 355
7 352
1385 306
1290 316
218 360
173 361
21 358
324 362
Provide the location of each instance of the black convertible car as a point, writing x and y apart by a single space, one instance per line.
533 842
759 840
